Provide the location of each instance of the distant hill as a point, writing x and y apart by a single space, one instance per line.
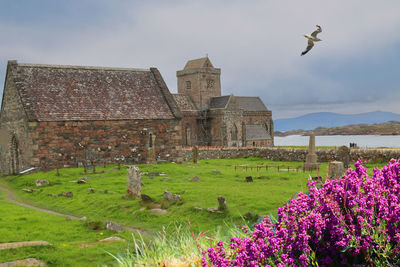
329 120
386 128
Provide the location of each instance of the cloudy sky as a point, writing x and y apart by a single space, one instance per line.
257 45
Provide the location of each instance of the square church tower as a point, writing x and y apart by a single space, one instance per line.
200 81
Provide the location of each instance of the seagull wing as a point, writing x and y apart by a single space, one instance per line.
314 34
309 46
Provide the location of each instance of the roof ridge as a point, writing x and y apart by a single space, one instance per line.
80 67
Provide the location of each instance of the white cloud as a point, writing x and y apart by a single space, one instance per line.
257 44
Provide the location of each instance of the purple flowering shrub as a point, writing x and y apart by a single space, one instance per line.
351 220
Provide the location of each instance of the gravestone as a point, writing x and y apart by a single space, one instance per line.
343 155
336 169
311 158
222 203
195 152
133 182
170 197
249 179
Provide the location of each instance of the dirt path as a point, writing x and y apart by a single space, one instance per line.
13 200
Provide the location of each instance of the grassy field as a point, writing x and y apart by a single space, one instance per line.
271 189
65 236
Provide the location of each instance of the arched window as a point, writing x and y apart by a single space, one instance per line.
188 134
234 132
14 155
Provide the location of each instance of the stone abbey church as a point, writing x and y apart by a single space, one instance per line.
58 116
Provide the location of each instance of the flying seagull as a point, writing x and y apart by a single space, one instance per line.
311 39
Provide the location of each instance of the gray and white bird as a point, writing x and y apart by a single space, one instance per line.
311 39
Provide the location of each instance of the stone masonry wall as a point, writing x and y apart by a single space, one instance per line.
67 143
287 154
15 151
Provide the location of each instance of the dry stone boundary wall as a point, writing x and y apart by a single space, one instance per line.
288 154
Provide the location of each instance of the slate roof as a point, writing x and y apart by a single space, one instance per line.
256 132
62 93
251 103
219 101
199 63
184 102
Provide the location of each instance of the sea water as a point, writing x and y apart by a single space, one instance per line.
362 141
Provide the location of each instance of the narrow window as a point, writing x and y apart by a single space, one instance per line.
188 85
151 140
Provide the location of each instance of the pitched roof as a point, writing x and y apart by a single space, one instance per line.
219 101
184 102
251 103
60 93
199 63
256 132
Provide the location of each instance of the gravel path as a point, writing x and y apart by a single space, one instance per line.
13 200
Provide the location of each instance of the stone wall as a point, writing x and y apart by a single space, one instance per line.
15 150
287 154
68 142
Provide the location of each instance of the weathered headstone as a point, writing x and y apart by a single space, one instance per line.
249 179
194 179
336 169
311 158
170 197
133 181
67 194
146 198
42 182
343 155
91 190
195 152
115 227
222 203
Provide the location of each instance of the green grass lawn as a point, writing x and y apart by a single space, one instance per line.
65 236
270 190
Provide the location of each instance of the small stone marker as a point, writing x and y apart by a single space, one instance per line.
67 194
28 190
42 182
194 179
81 181
146 198
13 245
336 169
91 190
216 171
24 262
172 197
158 211
115 227
249 179
311 158
222 203
133 181
195 152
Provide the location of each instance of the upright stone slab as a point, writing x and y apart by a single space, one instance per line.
133 182
336 169
343 155
195 152
311 158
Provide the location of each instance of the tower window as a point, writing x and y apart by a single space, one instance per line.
210 84
188 85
